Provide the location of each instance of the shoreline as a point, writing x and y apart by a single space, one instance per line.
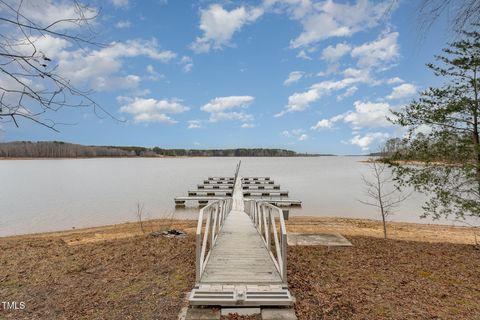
81 158
408 231
172 157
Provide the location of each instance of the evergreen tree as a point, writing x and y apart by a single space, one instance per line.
450 150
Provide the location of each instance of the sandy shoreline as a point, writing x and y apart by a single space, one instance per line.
298 224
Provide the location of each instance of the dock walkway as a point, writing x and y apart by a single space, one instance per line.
240 268
239 255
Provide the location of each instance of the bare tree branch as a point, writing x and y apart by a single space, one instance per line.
380 191
31 84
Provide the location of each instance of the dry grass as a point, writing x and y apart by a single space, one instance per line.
346 226
114 272
386 279
132 278
373 228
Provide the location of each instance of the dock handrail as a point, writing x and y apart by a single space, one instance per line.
263 216
213 215
236 173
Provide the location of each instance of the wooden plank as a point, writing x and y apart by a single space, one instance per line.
260 186
260 182
239 254
210 192
197 198
221 178
217 182
215 186
265 192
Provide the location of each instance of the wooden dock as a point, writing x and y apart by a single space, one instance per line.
241 257
213 188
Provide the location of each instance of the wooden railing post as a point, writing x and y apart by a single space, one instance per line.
269 226
284 257
263 217
198 249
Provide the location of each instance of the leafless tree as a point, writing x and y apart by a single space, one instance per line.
381 192
461 14
139 212
31 85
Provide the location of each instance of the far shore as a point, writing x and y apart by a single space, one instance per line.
76 158
298 224
163 156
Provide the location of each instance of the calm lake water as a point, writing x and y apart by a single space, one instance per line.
50 195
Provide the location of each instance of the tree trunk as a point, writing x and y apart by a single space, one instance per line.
384 225
475 137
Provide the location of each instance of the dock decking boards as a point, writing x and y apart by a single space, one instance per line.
239 255
240 269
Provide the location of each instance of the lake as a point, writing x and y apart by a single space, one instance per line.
51 195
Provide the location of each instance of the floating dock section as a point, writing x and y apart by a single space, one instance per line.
256 187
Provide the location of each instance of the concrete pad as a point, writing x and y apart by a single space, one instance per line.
195 313
241 311
317 239
278 314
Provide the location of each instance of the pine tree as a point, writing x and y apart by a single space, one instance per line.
450 150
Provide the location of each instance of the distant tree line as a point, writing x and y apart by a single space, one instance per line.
443 147
58 149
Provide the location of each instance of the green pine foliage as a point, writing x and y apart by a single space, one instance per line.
443 135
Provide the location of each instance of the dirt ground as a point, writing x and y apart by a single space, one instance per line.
395 230
344 226
117 272
386 279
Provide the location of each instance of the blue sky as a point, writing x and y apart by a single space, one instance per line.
311 76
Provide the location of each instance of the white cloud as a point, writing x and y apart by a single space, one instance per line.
303 137
293 77
119 3
219 25
247 125
96 67
327 123
368 114
302 54
220 108
195 124
331 53
298 134
378 52
46 12
124 24
151 110
349 92
114 83
48 45
328 19
323 124
404 90
300 101
365 141
365 115
153 74
395 80
187 63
